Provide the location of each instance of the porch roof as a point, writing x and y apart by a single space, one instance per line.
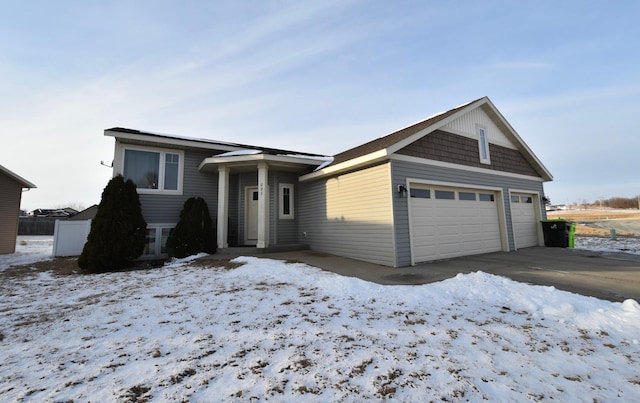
249 160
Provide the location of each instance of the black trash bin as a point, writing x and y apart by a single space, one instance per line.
557 233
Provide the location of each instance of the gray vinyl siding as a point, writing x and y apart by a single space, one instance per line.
233 236
164 209
281 232
401 170
349 215
10 195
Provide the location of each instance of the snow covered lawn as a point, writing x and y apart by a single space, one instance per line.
29 249
269 330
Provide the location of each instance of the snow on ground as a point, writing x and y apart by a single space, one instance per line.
626 245
29 249
268 330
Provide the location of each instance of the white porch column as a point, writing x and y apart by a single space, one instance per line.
263 205
223 206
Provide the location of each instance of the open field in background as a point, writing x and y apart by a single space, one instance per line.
603 214
600 222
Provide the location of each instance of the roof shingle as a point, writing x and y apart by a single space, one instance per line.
393 138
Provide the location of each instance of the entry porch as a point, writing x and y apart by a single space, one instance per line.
257 198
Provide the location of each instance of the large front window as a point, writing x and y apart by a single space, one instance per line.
153 171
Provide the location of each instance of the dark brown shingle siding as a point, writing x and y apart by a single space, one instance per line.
393 138
448 147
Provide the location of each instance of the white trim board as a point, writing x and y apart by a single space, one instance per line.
424 161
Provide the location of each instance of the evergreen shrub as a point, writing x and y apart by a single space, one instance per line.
194 232
118 232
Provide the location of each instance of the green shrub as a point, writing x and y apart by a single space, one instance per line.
118 232
194 232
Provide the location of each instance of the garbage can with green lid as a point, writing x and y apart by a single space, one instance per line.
572 235
558 233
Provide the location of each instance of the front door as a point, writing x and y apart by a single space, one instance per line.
251 216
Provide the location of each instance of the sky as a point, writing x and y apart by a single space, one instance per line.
318 77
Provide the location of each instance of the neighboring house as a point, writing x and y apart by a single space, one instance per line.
86 214
459 183
11 186
59 213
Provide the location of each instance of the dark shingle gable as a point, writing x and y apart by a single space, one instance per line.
393 138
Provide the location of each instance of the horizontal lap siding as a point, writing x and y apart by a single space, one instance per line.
284 231
166 208
234 211
403 170
10 195
350 215
281 232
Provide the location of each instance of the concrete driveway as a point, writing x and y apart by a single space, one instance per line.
604 275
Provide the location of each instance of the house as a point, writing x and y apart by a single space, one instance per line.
461 182
86 214
11 186
56 213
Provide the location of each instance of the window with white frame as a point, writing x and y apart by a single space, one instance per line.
483 146
154 171
286 201
156 239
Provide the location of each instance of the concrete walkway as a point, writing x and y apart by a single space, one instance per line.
610 276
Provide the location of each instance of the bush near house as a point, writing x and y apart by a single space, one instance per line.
117 235
194 232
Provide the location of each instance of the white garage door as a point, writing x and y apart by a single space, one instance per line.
523 217
447 222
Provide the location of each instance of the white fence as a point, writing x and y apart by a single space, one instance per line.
69 237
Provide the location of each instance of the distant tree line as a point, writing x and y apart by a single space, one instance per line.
618 203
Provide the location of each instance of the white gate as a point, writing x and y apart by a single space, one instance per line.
69 237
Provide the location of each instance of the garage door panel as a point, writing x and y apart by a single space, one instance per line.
446 228
448 249
449 230
426 250
468 212
426 242
474 246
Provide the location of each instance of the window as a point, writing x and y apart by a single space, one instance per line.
165 233
286 201
486 197
483 146
445 194
156 240
150 242
153 171
521 199
421 193
467 196
171 169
